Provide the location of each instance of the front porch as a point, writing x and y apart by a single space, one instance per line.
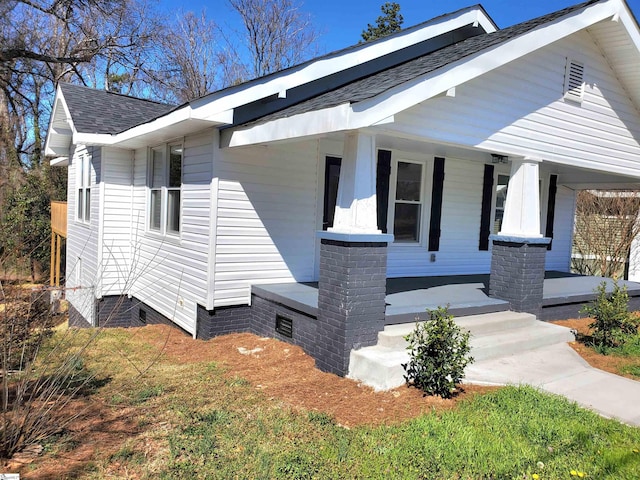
408 298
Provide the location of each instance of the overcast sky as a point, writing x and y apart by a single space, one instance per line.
342 21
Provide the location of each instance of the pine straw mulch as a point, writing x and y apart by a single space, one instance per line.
608 363
284 372
280 370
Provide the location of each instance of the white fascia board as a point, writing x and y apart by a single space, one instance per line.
177 116
316 122
279 83
407 95
379 109
95 139
627 19
59 162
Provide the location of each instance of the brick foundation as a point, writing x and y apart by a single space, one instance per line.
517 272
223 320
76 320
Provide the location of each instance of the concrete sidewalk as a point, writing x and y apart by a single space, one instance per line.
559 369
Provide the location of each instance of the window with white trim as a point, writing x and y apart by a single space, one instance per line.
83 204
408 201
165 189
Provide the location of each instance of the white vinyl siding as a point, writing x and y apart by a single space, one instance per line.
167 274
82 237
534 120
116 267
559 257
266 218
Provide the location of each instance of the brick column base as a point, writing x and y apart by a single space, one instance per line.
351 297
517 272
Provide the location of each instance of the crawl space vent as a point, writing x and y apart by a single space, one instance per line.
574 81
284 326
142 316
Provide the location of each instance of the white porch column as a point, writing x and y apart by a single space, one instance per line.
522 206
356 202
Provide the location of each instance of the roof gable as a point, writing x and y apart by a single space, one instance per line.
382 81
369 101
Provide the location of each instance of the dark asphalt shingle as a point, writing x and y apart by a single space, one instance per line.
380 82
99 111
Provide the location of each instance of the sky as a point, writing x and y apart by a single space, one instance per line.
340 22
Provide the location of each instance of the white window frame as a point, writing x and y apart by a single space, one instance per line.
425 203
83 190
163 191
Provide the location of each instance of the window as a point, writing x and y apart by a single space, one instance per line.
83 210
165 184
331 180
408 202
501 198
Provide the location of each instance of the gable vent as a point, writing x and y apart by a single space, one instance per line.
574 81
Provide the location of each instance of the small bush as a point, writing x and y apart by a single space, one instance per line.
439 353
612 323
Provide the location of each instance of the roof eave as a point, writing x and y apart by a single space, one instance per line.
280 82
374 110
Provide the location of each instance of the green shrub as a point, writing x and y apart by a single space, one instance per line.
439 353
612 323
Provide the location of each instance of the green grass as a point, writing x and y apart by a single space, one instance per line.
207 425
505 434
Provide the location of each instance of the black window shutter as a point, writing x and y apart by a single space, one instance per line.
436 204
551 207
485 216
382 188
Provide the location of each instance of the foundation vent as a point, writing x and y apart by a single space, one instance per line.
574 81
284 326
142 316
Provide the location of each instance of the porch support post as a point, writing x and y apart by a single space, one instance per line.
519 250
522 206
356 200
353 263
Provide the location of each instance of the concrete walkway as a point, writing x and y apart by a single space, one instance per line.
559 369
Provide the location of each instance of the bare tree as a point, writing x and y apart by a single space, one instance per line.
190 67
277 34
43 42
606 224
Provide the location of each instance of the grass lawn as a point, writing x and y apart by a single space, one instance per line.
164 414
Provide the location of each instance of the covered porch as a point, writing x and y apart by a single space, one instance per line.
408 298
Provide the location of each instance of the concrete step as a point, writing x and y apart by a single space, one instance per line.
379 367
518 340
393 335
493 336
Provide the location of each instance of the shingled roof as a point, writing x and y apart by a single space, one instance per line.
99 111
382 81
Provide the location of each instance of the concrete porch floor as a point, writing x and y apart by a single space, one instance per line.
408 298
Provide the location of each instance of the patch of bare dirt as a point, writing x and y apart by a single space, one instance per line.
99 428
280 370
285 372
608 363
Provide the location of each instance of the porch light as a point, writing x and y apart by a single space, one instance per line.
495 158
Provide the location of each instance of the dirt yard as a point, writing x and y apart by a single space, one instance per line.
281 371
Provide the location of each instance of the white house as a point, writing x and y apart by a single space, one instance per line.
387 159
